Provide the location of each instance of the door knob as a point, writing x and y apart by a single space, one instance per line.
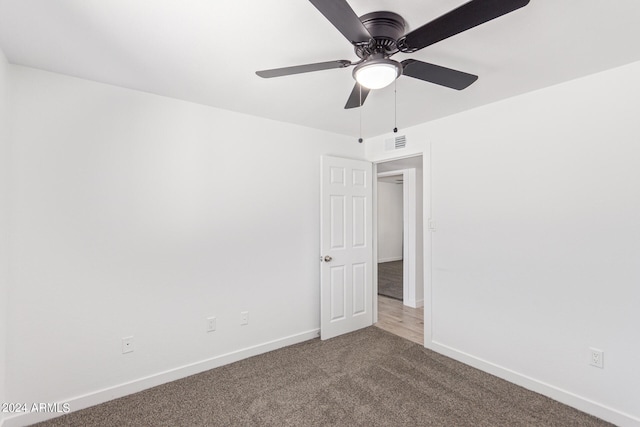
327 258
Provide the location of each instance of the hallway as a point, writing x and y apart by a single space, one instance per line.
393 315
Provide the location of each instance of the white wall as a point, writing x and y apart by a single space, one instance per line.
4 225
536 253
390 225
142 215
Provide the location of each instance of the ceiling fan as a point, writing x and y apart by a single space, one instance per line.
377 36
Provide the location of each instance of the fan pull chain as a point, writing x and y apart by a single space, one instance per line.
360 108
395 106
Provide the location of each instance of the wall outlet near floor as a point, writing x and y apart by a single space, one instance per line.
211 324
127 345
596 358
244 318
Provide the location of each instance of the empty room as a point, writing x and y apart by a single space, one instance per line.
195 200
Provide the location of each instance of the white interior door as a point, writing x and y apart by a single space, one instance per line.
346 245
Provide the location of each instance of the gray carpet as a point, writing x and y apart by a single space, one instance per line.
390 279
366 378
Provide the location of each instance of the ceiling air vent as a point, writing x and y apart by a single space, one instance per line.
395 143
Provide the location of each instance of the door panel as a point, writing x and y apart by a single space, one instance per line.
359 288
337 220
359 222
338 293
346 246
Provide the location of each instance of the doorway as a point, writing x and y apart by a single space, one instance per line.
400 257
390 261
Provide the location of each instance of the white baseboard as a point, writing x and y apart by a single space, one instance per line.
413 303
581 403
409 303
390 259
100 396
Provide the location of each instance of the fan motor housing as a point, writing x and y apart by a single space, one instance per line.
385 28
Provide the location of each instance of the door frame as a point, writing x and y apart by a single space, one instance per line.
426 235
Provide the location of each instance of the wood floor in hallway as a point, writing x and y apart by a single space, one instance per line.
397 318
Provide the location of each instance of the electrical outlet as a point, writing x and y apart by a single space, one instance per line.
244 318
596 358
127 345
211 324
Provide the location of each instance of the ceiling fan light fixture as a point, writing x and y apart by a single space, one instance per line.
377 73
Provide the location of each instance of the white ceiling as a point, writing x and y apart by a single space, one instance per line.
207 51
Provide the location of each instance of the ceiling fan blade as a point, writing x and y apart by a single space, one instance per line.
357 97
340 14
467 16
436 74
307 68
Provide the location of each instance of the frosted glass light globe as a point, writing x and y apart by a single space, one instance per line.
377 73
